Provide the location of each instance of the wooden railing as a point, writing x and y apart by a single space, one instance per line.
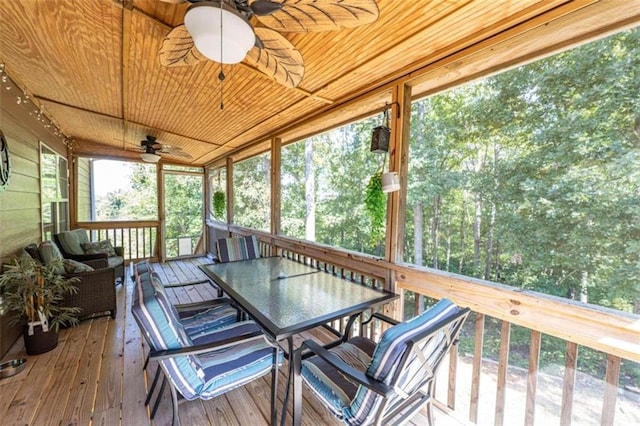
138 238
614 333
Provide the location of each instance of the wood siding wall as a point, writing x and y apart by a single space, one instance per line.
20 219
84 195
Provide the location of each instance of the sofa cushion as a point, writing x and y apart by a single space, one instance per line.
32 250
73 266
70 241
49 251
96 247
115 261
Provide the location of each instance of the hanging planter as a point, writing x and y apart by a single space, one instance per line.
219 204
374 202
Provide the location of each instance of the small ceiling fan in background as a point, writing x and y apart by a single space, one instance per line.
221 30
152 149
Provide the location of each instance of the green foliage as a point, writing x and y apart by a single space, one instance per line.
30 289
251 195
375 206
219 205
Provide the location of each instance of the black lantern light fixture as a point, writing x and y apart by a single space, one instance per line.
381 134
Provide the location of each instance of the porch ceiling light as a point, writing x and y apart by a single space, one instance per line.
219 32
150 157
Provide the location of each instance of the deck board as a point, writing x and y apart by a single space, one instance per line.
95 375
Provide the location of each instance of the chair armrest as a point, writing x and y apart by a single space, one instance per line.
204 348
188 283
84 257
350 372
119 251
203 305
94 275
385 318
97 263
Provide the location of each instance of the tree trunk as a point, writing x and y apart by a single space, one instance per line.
309 192
418 219
435 231
583 287
476 232
489 250
463 212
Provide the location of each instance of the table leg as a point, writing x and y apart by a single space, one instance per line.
274 387
297 386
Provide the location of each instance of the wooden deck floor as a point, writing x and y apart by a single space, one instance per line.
95 376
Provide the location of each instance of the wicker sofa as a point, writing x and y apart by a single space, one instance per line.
70 245
96 290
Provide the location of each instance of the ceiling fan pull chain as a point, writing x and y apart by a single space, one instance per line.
221 75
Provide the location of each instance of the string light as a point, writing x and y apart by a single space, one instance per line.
23 98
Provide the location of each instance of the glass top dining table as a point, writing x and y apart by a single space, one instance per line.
286 297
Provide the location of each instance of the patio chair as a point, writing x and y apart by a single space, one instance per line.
237 248
72 243
197 358
362 382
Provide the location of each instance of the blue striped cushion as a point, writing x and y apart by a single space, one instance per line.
156 317
328 384
394 341
235 366
142 267
233 249
198 323
387 356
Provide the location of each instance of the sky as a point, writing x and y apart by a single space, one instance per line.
110 175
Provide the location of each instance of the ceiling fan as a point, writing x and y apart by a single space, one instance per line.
221 30
151 150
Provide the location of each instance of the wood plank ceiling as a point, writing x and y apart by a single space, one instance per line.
93 66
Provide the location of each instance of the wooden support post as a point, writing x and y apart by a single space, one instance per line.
477 368
276 160
229 191
612 377
532 378
569 383
503 366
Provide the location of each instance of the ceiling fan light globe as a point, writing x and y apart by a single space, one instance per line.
150 157
202 20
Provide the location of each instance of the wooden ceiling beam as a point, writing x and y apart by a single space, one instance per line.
101 114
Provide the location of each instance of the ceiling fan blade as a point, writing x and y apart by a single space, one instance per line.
320 15
278 58
264 7
171 150
178 49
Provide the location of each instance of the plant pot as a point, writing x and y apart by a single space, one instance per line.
40 342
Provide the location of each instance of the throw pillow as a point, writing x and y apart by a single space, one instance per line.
95 247
50 251
73 266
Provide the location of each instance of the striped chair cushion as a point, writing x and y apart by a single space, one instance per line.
142 267
328 384
394 341
356 405
157 318
235 366
233 249
200 322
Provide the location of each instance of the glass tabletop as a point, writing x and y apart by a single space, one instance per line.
301 298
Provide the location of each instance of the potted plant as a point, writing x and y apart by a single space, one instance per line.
33 293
